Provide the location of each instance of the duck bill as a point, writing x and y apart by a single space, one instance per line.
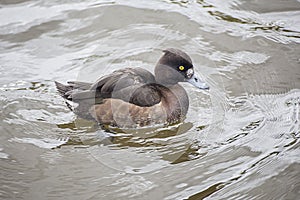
197 82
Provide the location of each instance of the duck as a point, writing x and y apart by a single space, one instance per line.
134 97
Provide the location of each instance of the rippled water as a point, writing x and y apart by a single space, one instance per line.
240 140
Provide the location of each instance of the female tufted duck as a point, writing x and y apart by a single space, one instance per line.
133 97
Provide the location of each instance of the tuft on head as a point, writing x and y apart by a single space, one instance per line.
179 53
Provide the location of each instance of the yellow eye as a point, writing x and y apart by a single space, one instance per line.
181 67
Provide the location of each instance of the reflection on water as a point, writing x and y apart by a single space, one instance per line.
240 140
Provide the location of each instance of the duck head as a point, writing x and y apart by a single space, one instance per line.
176 66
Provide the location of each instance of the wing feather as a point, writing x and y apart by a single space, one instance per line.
133 85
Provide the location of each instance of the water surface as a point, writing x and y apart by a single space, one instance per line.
240 140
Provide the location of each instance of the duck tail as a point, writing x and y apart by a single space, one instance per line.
64 90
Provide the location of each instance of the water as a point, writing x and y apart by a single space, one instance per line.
240 140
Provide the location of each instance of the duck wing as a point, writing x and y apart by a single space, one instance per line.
144 95
122 78
133 85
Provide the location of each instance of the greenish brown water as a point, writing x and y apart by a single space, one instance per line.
240 140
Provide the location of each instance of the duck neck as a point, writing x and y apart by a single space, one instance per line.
176 101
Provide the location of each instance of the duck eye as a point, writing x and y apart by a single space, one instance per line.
181 68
